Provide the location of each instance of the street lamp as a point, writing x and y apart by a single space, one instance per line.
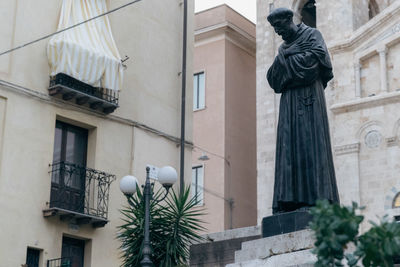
230 200
203 157
167 176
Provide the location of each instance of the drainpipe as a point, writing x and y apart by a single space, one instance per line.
183 101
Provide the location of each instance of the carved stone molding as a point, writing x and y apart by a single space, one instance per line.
368 29
347 149
366 102
373 139
392 141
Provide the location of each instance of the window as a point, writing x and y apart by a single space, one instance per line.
373 9
309 14
32 257
69 162
396 201
74 250
198 184
77 193
70 144
198 91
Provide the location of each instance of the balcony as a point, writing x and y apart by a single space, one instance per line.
79 194
61 262
71 89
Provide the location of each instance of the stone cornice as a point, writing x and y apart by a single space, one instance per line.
366 102
392 141
226 6
236 35
347 149
365 31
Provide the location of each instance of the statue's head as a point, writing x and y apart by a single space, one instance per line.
282 21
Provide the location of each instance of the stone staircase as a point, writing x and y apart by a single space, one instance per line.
286 250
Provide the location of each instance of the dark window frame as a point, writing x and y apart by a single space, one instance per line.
64 128
68 182
373 9
32 257
70 244
196 90
196 184
309 14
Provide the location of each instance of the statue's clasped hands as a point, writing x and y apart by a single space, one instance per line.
296 49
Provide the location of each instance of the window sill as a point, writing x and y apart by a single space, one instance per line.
199 109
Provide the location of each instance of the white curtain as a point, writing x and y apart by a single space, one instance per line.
88 52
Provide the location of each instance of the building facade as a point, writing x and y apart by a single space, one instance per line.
224 116
363 99
65 147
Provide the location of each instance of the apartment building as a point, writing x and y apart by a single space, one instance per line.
78 111
224 118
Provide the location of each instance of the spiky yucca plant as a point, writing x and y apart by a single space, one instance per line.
174 225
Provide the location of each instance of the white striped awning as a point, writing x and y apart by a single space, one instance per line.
88 52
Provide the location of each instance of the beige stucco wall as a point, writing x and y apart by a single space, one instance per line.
225 129
362 107
150 33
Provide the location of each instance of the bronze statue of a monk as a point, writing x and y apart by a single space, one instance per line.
304 170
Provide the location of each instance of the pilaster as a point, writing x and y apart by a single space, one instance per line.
382 51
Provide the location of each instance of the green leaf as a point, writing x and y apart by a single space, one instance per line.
351 260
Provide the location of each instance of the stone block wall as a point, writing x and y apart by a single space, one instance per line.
266 112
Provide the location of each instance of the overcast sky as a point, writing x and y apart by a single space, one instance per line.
245 7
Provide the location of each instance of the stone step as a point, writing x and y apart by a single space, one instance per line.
303 258
218 249
269 247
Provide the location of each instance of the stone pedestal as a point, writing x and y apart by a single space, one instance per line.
218 249
285 223
287 250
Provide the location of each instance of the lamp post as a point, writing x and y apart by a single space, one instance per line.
167 176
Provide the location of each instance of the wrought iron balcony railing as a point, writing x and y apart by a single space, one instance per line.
79 193
61 262
71 89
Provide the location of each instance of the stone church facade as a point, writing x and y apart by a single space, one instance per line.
363 99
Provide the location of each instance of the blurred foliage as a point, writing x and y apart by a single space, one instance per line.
336 228
173 227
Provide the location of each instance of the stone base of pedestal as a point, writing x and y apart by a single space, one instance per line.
218 249
283 223
287 250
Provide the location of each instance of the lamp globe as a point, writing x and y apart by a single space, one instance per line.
167 176
128 185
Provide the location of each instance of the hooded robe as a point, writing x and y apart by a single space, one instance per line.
304 170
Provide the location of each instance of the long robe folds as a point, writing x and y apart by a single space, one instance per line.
304 170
